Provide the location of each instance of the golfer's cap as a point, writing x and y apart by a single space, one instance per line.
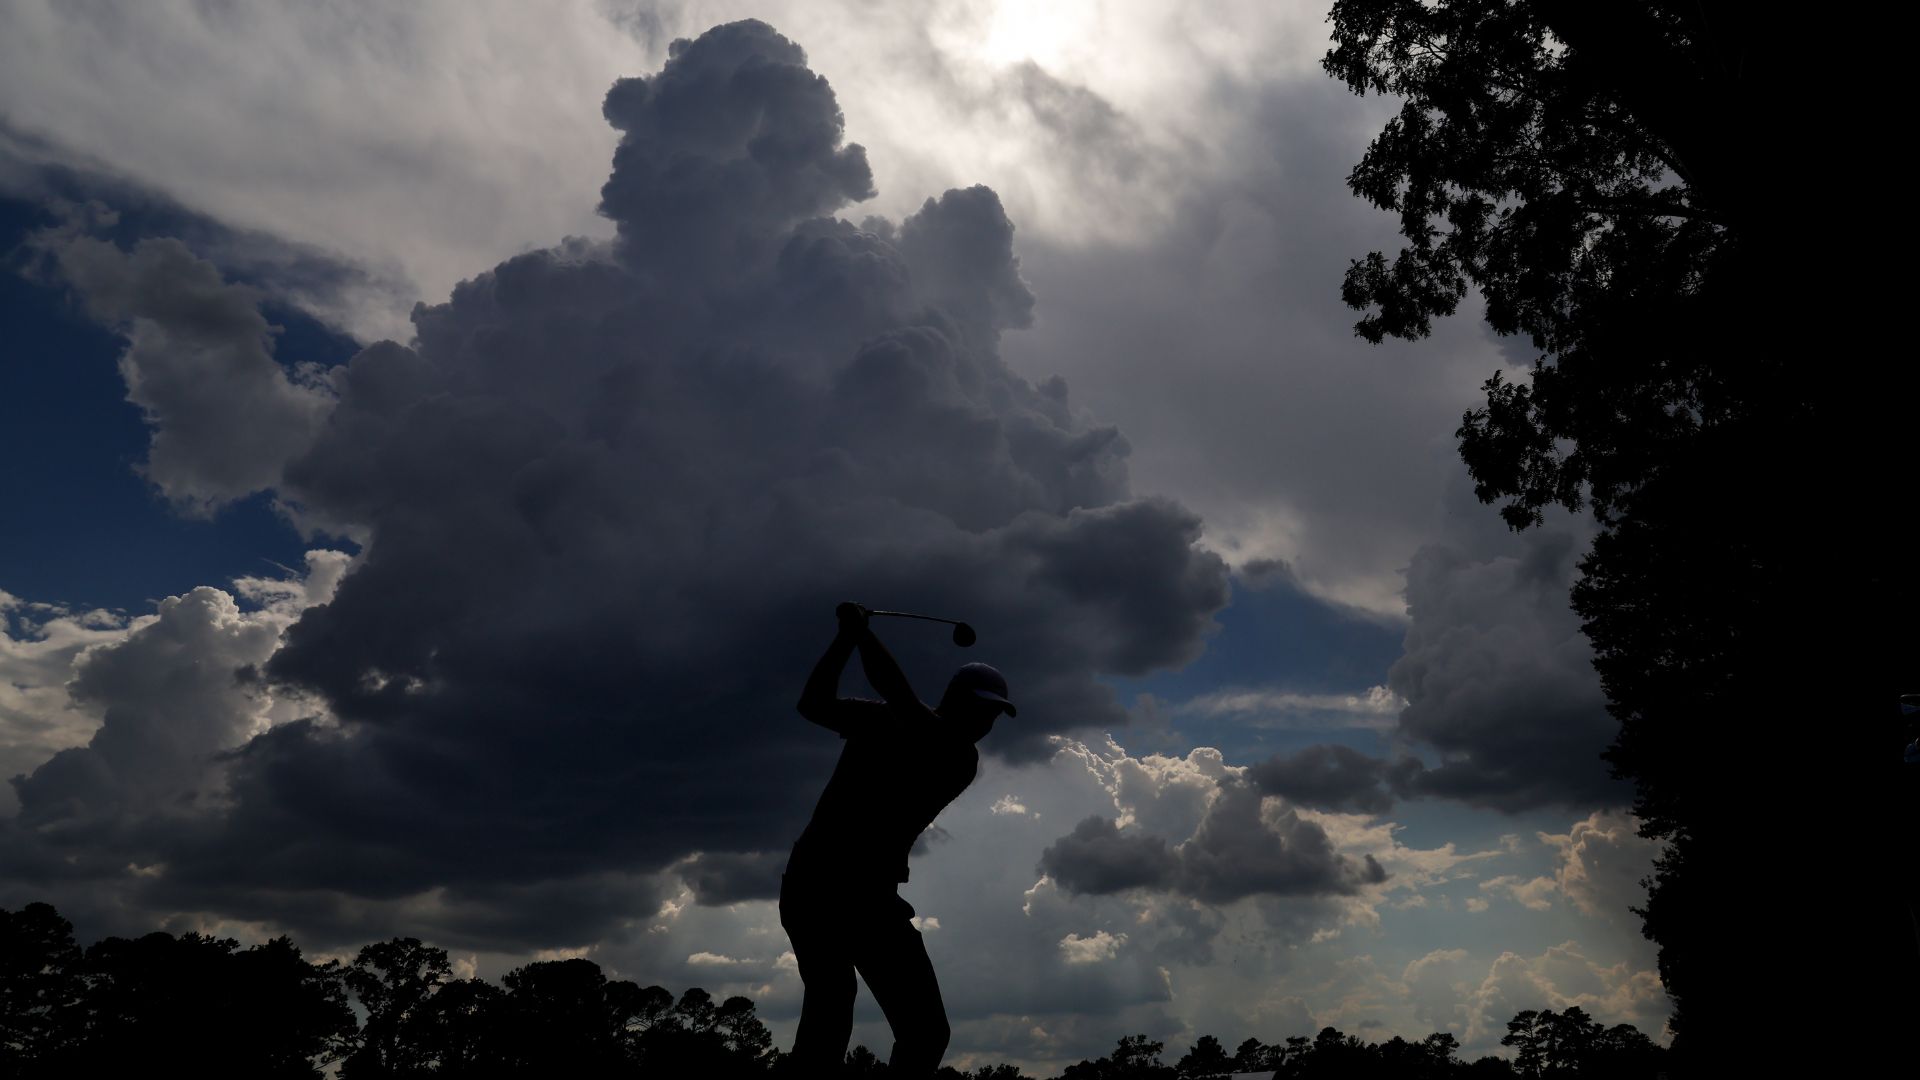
984 682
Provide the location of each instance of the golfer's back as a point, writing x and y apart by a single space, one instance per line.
899 768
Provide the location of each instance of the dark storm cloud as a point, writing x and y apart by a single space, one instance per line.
1499 680
1500 688
563 912
728 877
1236 852
1333 777
1097 858
608 497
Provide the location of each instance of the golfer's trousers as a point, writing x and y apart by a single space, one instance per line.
837 929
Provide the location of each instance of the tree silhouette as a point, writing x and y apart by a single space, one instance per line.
697 1038
130 1007
1207 1059
40 985
1547 1044
1333 1054
862 1062
741 1032
1605 176
546 1018
1428 1059
454 1031
1135 1058
393 980
560 1019
1252 1055
149 999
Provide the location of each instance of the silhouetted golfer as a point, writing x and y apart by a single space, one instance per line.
902 764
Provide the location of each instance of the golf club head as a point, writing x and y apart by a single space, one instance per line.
963 635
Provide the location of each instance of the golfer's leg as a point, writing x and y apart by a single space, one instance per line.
826 1007
893 959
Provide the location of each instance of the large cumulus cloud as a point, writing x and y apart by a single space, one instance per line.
606 498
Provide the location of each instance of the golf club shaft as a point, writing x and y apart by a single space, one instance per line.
911 615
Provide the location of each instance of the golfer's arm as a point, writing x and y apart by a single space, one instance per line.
822 692
883 672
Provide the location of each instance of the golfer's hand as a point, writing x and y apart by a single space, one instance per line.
853 619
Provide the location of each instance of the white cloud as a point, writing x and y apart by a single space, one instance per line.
1602 861
173 691
707 959
411 128
1410 869
41 643
1162 794
1438 986
1092 949
1562 976
408 148
1535 893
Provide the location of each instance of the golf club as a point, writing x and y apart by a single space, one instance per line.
963 634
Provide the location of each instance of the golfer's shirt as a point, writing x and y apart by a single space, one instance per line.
900 767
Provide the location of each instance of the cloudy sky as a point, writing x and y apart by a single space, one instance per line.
436 436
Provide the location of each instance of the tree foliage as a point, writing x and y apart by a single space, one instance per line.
1631 188
1207 1060
124 1004
1548 1044
393 981
1592 216
1334 1055
40 985
1135 1058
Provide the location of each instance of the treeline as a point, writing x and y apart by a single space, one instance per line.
1545 1044
124 1007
